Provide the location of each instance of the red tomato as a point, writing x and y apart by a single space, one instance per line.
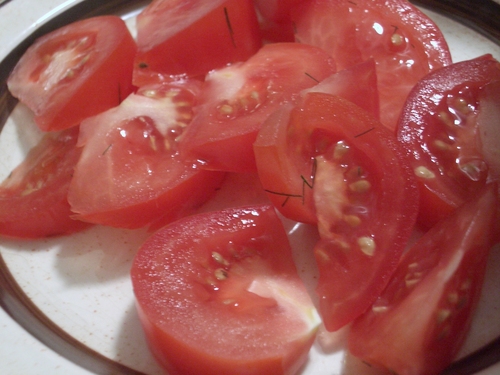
439 126
89 62
130 173
236 100
276 147
219 293
363 196
404 42
194 36
33 199
420 321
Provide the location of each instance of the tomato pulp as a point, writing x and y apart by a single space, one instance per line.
75 72
130 173
419 322
403 41
441 128
220 291
342 169
33 198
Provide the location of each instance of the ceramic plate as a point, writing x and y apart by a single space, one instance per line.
74 294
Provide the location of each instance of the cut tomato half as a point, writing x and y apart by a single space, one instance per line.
447 143
403 41
75 72
130 173
419 322
33 198
219 293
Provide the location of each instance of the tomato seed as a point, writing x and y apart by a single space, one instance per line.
423 172
367 245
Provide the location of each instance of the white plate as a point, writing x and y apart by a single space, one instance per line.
81 282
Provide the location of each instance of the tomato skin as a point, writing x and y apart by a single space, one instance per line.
130 174
222 31
236 100
195 321
89 62
404 42
33 199
439 125
419 322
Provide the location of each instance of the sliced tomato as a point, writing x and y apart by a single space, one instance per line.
130 173
33 198
439 125
75 72
354 174
404 42
420 321
236 100
193 36
220 291
280 166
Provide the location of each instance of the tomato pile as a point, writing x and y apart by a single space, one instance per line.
347 116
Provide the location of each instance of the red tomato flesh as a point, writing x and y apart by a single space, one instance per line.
353 174
236 100
193 37
130 173
33 199
439 125
402 40
419 322
75 72
220 291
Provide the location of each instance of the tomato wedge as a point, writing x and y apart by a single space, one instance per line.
33 199
439 125
404 42
130 173
193 36
420 321
236 100
347 172
220 291
277 149
75 72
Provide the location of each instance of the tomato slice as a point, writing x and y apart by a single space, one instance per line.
439 125
130 173
89 62
220 291
277 150
33 199
404 42
193 36
420 321
236 100
363 195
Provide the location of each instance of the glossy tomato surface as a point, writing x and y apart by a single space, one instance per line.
193 37
75 72
33 198
447 142
402 40
278 149
130 173
219 293
419 322
236 100
354 177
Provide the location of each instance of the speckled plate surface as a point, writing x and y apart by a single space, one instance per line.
68 306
